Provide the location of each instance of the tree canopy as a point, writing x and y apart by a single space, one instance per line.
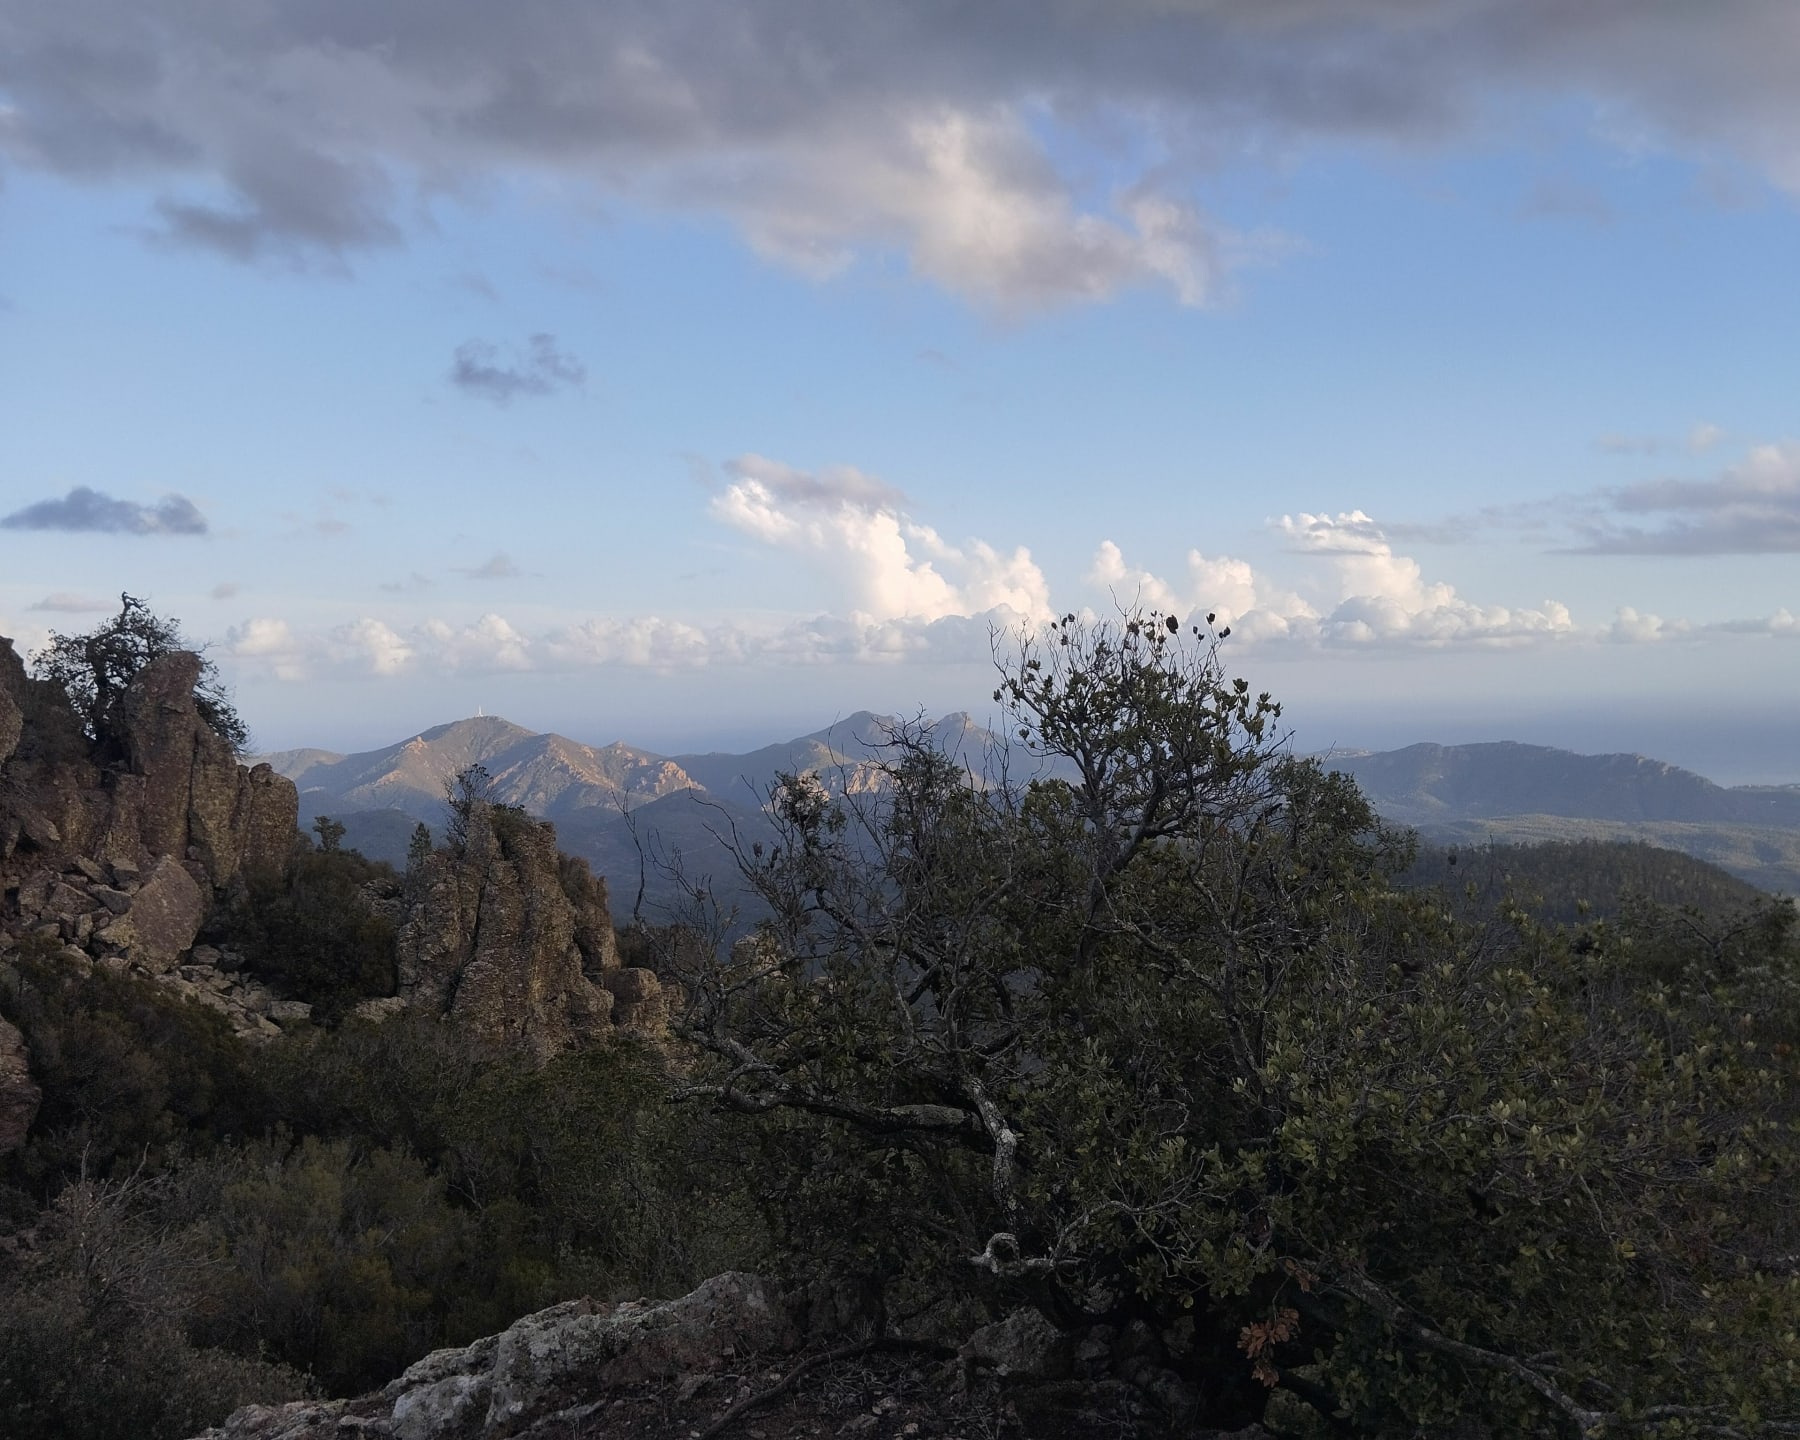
95 669
1156 1036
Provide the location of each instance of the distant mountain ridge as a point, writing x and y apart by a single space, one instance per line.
621 806
1427 784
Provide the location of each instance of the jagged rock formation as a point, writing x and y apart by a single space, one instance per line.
180 794
120 866
514 942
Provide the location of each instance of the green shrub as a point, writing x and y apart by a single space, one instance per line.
93 1343
130 1072
310 929
340 1262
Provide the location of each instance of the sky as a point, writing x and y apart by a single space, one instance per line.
695 373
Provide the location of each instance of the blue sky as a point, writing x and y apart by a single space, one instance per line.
694 373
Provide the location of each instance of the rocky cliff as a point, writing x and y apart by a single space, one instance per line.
124 864
120 865
180 794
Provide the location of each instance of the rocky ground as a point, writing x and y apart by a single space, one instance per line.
736 1359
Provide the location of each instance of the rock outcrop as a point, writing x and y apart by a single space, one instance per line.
702 1364
179 794
515 944
121 865
154 922
12 695
543 1365
18 1095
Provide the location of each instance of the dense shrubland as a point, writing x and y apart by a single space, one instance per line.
1188 1040
321 1210
1568 882
1170 1042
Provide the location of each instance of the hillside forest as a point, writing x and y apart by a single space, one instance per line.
1271 1113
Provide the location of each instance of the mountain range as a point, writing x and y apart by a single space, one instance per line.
628 811
625 808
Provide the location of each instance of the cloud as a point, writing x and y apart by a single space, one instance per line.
1752 508
364 646
850 527
65 602
969 195
1783 623
225 590
1371 596
289 201
823 130
542 369
371 648
498 566
834 484
86 510
1632 627
1383 598
1701 437
1227 589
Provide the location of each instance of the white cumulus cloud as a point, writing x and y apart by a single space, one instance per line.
1369 594
888 567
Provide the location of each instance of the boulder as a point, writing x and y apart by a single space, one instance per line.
159 722
19 1095
164 918
639 1002
1023 1346
594 934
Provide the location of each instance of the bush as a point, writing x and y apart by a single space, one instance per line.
343 1262
92 1338
131 1073
579 1177
310 928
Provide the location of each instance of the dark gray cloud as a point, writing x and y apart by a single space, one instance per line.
479 367
820 127
67 602
1749 509
83 509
